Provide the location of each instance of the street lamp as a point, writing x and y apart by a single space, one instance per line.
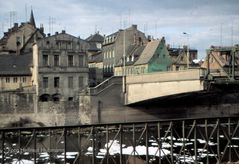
187 35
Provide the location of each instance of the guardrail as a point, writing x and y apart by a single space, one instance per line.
213 140
105 84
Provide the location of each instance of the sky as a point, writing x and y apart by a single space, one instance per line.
196 23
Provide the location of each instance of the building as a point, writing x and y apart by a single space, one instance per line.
95 43
95 58
155 57
182 58
60 68
15 71
222 60
114 45
132 55
19 38
95 63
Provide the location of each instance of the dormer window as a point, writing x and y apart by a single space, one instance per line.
128 59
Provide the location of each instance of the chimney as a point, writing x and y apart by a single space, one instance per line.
15 25
63 31
134 26
56 33
49 34
149 38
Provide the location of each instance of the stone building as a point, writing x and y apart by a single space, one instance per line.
15 71
19 38
114 45
95 43
60 68
182 58
95 60
95 63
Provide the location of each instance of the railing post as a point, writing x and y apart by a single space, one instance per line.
159 142
195 141
218 143
171 135
107 144
121 142
3 140
65 145
35 146
230 137
93 145
19 144
146 143
183 131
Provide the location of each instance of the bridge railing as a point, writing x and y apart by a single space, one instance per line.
212 140
105 84
190 74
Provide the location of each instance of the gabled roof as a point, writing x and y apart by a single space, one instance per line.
133 51
13 64
148 52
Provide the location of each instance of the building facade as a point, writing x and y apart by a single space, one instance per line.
60 68
19 38
116 44
95 59
182 58
15 71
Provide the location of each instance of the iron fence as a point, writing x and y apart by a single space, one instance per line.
214 140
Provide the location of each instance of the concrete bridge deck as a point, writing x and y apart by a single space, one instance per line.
149 86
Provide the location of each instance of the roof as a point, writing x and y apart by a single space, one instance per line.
95 38
13 64
148 52
96 58
132 51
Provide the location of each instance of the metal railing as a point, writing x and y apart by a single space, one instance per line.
105 84
214 140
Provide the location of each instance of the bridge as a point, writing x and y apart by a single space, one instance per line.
155 85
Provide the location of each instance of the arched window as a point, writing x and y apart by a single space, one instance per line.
56 97
44 97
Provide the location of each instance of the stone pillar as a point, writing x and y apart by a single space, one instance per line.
85 110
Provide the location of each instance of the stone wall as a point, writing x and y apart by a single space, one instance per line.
17 106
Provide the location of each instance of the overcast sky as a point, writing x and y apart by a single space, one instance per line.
206 22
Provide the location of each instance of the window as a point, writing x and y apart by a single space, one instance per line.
45 60
70 60
70 98
56 60
15 79
81 61
45 82
24 79
56 82
113 54
70 82
7 79
81 82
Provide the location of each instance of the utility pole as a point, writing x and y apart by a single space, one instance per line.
187 35
124 71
